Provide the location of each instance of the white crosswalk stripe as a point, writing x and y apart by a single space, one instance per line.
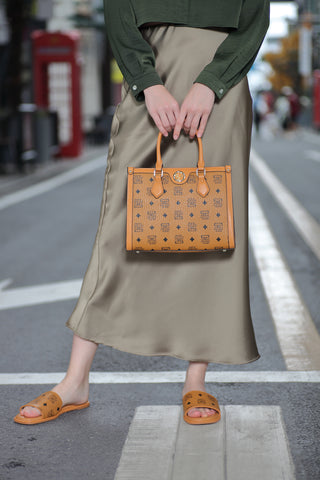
304 223
235 448
102 378
297 335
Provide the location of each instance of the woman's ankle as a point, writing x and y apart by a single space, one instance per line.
195 376
188 386
72 392
72 384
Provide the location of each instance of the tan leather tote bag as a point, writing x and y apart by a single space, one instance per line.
180 209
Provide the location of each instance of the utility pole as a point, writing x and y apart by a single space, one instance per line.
305 51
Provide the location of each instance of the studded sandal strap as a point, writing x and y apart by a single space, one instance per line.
49 404
197 398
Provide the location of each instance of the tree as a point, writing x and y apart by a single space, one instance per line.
285 64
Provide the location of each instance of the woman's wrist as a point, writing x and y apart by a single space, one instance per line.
153 88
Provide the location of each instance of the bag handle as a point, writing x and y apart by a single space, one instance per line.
157 187
159 165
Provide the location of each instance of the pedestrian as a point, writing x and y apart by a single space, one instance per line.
184 66
283 109
260 110
295 108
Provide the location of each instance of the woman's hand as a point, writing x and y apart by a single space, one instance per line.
195 110
162 107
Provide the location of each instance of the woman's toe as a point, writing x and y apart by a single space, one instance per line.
194 412
211 411
204 412
30 412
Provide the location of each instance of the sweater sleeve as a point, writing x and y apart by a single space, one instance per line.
236 54
132 52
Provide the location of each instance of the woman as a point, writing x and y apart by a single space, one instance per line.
178 59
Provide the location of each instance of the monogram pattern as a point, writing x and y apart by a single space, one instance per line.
180 219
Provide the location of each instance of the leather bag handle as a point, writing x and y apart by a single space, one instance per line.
157 187
159 164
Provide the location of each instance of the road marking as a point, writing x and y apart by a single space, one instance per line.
298 338
312 155
165 377
256 444
57 181
305 224
149 447
249 442
37 294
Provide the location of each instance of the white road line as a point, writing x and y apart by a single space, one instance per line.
305 224
249 442
149 448
57 181
298 338
165 377
312 155
37 294
256 443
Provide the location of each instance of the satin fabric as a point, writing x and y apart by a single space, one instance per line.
193 306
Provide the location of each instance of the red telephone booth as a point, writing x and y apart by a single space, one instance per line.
316 98
57 84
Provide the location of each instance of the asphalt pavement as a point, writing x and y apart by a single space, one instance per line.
48 225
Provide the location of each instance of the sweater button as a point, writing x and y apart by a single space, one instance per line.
221 90
134 87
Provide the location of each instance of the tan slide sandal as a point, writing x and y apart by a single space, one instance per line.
196 398
50 406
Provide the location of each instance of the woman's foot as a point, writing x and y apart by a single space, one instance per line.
69 393
198 411
195 381
74 388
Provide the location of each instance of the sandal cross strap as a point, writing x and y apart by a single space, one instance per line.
197 398
50 406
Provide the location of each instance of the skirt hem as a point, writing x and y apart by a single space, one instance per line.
169 354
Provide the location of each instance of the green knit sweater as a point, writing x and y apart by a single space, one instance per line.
248 21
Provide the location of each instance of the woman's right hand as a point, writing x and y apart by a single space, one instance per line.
162 106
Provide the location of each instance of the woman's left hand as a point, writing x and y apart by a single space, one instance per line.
195 111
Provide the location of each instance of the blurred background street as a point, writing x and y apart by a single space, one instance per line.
59 86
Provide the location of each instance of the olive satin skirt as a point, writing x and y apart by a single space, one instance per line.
193 306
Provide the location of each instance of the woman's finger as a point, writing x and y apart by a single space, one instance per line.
203 124
187 122
179 123
157 120
172 119
162 107
176 112
194 125
165 120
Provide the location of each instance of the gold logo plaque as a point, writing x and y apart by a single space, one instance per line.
179 176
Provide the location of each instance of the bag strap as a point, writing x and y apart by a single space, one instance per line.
157 187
